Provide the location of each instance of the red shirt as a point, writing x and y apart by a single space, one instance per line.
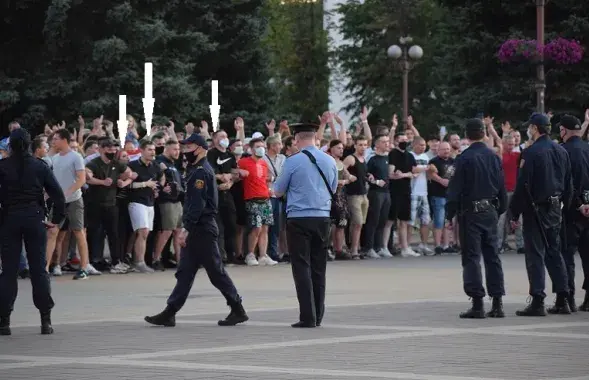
255 185
510 167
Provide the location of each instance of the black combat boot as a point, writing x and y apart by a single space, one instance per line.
534 309
561 305
166 318
585 305
236 316
496 309
572 302
477 311
46 328
5 326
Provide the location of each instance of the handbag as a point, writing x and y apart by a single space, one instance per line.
335 212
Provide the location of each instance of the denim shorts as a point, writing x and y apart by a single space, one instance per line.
439 211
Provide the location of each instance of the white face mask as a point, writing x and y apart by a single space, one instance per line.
238 150
224 143
260 151
530 135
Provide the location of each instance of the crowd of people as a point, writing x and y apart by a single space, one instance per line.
128 199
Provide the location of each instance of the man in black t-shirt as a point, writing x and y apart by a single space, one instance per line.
226 172
441 169
400 187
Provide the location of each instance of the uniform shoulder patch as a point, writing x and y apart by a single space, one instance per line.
199 184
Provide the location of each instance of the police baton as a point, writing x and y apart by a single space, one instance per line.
536 215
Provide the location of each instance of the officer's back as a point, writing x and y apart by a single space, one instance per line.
578 151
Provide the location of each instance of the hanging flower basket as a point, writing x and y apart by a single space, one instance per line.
560 51
563 51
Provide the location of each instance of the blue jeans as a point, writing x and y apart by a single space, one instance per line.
274 231
438 211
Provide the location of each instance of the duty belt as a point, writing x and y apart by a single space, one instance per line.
551 201
482 205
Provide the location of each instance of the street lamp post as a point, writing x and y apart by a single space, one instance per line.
540 76
406 56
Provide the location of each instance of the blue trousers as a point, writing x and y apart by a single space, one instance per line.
274 231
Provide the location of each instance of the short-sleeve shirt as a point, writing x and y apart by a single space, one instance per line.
221 162
105 196
378 166
445 171
65 169
144 196
404 161
255 185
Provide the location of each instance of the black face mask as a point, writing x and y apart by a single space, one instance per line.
159 150
403 145
190 157
110 156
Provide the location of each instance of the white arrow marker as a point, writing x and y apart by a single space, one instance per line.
148 100
122 123
215 107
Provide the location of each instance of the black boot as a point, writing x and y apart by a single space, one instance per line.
585 305
46 328
5 326
572 302
561 305
496 309
166 318
236 316
534 309
477 311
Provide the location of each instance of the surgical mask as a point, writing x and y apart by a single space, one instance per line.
159 149
260 151
190 157
224 143
110 156
530 134
238 150
403 145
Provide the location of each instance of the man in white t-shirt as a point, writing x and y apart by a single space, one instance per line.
419 202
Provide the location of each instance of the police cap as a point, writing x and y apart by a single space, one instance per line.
20 134
570 122
538 119
304 127
197 140
473 125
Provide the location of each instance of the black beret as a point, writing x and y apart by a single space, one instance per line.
475 125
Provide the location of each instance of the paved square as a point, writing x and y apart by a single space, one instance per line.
387 319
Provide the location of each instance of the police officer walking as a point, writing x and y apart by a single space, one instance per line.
199 239
309 180
575 234
22 181
544 182
477 194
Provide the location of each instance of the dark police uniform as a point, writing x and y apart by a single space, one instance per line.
202 249
22 181
544 182
575 234
477 193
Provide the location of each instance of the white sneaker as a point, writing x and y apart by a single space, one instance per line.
408 252
371 254
250 260
57 271
118 269
424 249
127 267
266 260
92 271
143 268
384 252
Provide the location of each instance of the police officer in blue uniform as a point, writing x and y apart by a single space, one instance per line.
575 235
199 239
308 179
477 194
22 181
544 185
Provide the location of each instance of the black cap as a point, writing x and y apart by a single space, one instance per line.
538 119
197 140
570 122
20 134
304 127
474 125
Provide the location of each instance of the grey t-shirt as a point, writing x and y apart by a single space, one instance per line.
65 168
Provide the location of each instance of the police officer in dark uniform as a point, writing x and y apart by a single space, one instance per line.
22 181
477 194
199 239
543 184
575 235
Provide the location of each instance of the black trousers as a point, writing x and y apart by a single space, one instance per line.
227 222
479 238
378 213
18 225
125 230
202 250
577 238
103 218
308 241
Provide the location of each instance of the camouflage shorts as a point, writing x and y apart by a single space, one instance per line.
259 213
